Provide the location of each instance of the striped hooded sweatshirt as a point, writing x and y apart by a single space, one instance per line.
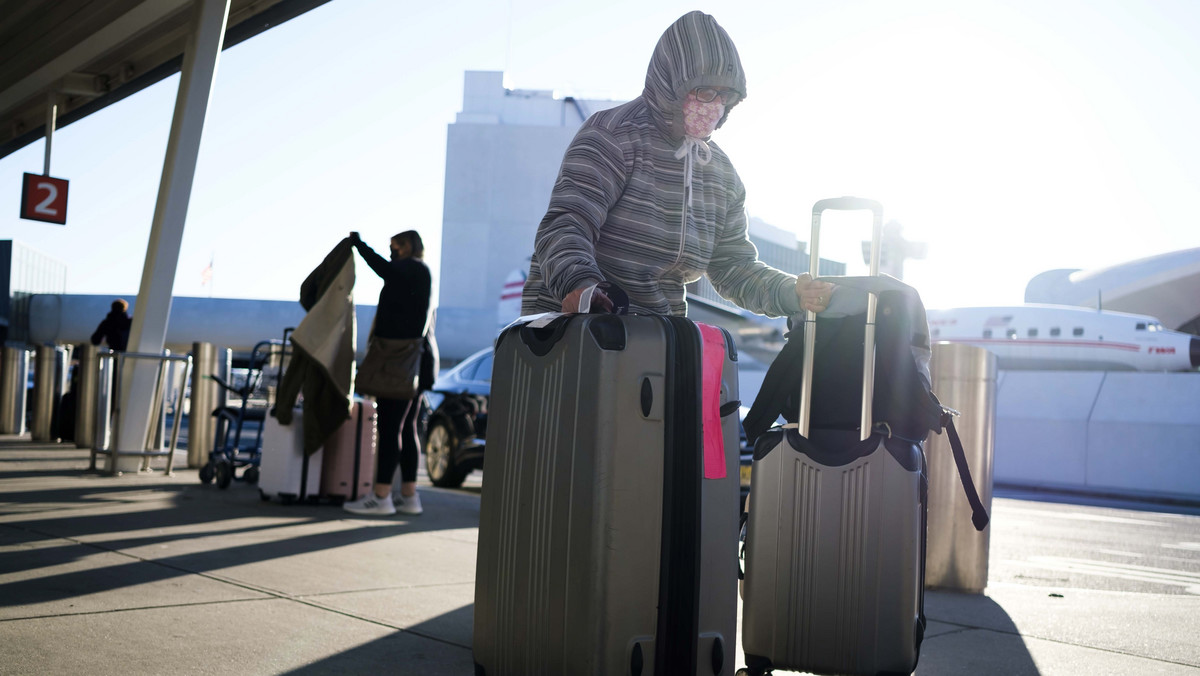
617 211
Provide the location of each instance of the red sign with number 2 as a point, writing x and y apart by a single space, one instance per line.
44 199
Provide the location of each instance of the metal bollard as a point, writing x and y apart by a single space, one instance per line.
13 374
105 394
964 379
62 377
84 388
225 371
44 372
201 425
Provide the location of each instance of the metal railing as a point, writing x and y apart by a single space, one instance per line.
108 411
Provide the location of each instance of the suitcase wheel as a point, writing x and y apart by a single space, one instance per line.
755 666
224 473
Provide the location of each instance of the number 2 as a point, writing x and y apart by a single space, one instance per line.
43 207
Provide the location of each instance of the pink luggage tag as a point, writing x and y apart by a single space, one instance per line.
712 361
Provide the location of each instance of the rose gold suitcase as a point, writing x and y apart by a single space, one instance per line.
350 453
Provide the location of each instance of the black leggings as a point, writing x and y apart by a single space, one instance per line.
398 441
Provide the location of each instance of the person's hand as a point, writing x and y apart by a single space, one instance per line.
814 296
600 302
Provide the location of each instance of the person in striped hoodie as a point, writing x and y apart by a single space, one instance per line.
645 200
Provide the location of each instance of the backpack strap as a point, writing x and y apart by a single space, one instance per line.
979 515
780 379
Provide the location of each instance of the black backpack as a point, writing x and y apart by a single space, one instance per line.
903 404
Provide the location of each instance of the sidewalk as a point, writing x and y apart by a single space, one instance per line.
149 574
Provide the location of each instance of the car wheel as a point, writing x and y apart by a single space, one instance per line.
439 456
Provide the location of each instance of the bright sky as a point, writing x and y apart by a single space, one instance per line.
1013 136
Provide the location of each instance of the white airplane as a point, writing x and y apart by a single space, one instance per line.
1058 337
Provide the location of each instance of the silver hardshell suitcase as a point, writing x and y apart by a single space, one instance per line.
285 473
603 549
835 536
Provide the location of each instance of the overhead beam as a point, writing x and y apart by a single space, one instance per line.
147 57
94 46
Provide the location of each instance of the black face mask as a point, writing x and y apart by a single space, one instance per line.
395 255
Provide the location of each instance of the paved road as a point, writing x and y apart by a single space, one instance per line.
96 572
1090 544
1078 542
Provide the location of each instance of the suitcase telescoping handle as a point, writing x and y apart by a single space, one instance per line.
810 318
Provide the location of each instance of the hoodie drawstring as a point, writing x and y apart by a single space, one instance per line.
692 151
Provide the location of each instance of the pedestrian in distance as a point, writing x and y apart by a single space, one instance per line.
114 328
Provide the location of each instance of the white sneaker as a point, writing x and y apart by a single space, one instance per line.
371 505
409 505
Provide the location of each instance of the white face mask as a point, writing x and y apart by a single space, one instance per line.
700 119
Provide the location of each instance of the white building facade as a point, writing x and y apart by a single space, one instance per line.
502 157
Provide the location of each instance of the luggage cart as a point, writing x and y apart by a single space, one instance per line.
229 454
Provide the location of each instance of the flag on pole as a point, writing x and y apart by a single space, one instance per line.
206 273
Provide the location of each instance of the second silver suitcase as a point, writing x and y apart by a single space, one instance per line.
835 536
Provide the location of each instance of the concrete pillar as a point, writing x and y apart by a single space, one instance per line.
964 379
148 334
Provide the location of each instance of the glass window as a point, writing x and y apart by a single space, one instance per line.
1055 331
484 372
936 333
987 333
1010 333
1141 326
479 368
1077 331
468 370
1033 333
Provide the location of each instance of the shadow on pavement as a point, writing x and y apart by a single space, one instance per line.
420 649
971 634
182 507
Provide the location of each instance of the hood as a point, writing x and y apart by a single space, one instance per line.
694 52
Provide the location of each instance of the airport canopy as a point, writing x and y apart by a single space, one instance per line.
88 54
74 57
